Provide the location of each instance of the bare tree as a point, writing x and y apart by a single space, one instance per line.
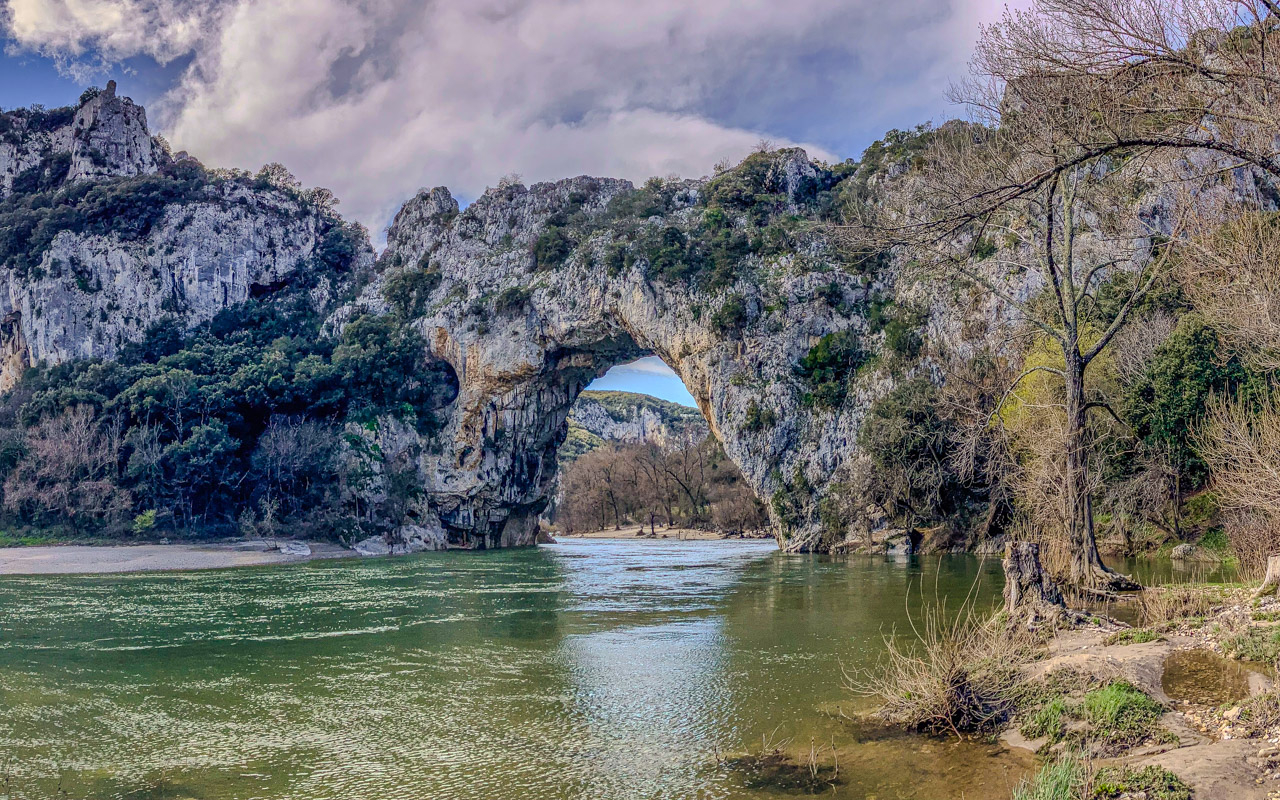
1069 236
1231 271
69 473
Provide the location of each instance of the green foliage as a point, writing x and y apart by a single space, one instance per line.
1152 782
1061 779
908 442
408 291
144 522
791 500
1121 713
89 94
829 365
756 187
1167 401
731 317
240 411
1133 636
511 299
1049 721
552 248
127 208
1255 644
44 176
759 418
983 249
656 198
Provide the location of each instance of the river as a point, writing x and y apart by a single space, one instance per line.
589 670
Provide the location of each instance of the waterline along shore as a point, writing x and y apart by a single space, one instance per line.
90 559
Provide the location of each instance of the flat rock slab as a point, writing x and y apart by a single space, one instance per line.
1228 769
78 559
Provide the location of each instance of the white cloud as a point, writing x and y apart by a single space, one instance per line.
376 98
650 365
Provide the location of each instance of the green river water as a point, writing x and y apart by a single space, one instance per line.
589 669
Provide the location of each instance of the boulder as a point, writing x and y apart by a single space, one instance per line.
294 548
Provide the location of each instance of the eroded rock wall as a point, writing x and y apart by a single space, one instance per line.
106 136
525 339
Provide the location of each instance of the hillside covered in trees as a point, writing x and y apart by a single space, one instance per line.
1051 327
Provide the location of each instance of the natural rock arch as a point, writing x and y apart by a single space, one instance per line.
525 337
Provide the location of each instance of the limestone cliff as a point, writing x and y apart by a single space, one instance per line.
636 418
104 136
118 237
531 293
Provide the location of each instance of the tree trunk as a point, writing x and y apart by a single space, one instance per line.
1086 570
1026 585
1271 583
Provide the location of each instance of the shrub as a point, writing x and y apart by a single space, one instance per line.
758 418
1152 782
1260 715
828 366
552 248
407 292
961 674
512 298
730 317
144 522
1160 606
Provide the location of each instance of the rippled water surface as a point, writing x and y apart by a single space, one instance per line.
588 669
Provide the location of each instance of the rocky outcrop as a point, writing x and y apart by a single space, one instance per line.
105 136
637 419
175 251
526 336
92 293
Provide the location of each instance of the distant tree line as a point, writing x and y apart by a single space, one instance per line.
692 484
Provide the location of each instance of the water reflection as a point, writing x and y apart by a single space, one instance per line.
593 670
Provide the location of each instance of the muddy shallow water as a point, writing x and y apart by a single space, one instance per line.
590 669
1206 678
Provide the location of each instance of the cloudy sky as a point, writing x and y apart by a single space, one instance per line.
375 99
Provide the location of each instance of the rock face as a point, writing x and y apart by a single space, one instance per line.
106 136
526 337
104 280
526 296
636 418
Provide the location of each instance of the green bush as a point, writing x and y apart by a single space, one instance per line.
758 418
1152 782
731 317
407 292
829 365
552 248
511 299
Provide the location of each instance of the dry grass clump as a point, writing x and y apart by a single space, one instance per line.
1163 606
1260 715
958 674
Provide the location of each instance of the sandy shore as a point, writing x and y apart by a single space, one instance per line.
637 532
77 559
